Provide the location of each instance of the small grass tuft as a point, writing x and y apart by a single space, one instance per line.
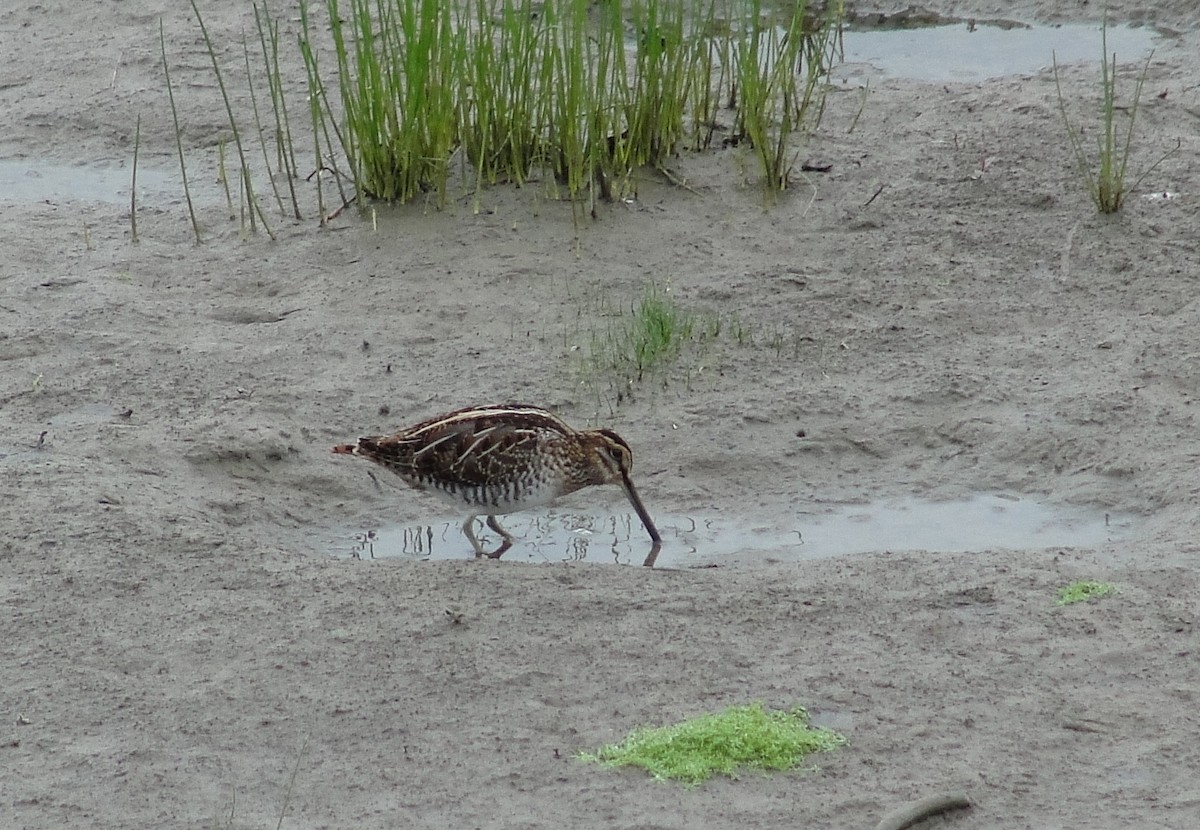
632 346
1105 178
741 736
1083 591
658 331
648 338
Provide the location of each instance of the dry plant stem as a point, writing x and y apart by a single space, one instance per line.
237 139
346 138
314 108
137 140
862 106
223 178
258 126
332 163
676 180
256 208
318 107
187 192
287 796
283 133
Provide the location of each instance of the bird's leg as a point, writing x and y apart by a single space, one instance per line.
508 539
469 530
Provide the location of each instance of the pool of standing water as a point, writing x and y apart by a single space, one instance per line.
983 522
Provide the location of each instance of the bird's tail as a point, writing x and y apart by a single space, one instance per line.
365 448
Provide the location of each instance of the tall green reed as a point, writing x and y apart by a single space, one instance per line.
501 114
778 68
396 78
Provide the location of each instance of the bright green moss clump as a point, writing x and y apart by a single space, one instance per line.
740 736
1082 591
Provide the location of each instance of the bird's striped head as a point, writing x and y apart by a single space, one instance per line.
609 456
611 462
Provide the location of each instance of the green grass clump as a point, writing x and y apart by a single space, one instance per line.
583 91
740 736
1083 591
577 94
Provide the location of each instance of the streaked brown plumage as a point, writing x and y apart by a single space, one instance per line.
502 459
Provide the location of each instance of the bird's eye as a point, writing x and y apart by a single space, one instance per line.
619 456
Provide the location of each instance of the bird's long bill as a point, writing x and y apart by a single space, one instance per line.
636 501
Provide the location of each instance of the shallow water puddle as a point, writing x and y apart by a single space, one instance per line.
29 180
976 52
984 522
88 413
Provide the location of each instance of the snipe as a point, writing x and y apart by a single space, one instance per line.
494 460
